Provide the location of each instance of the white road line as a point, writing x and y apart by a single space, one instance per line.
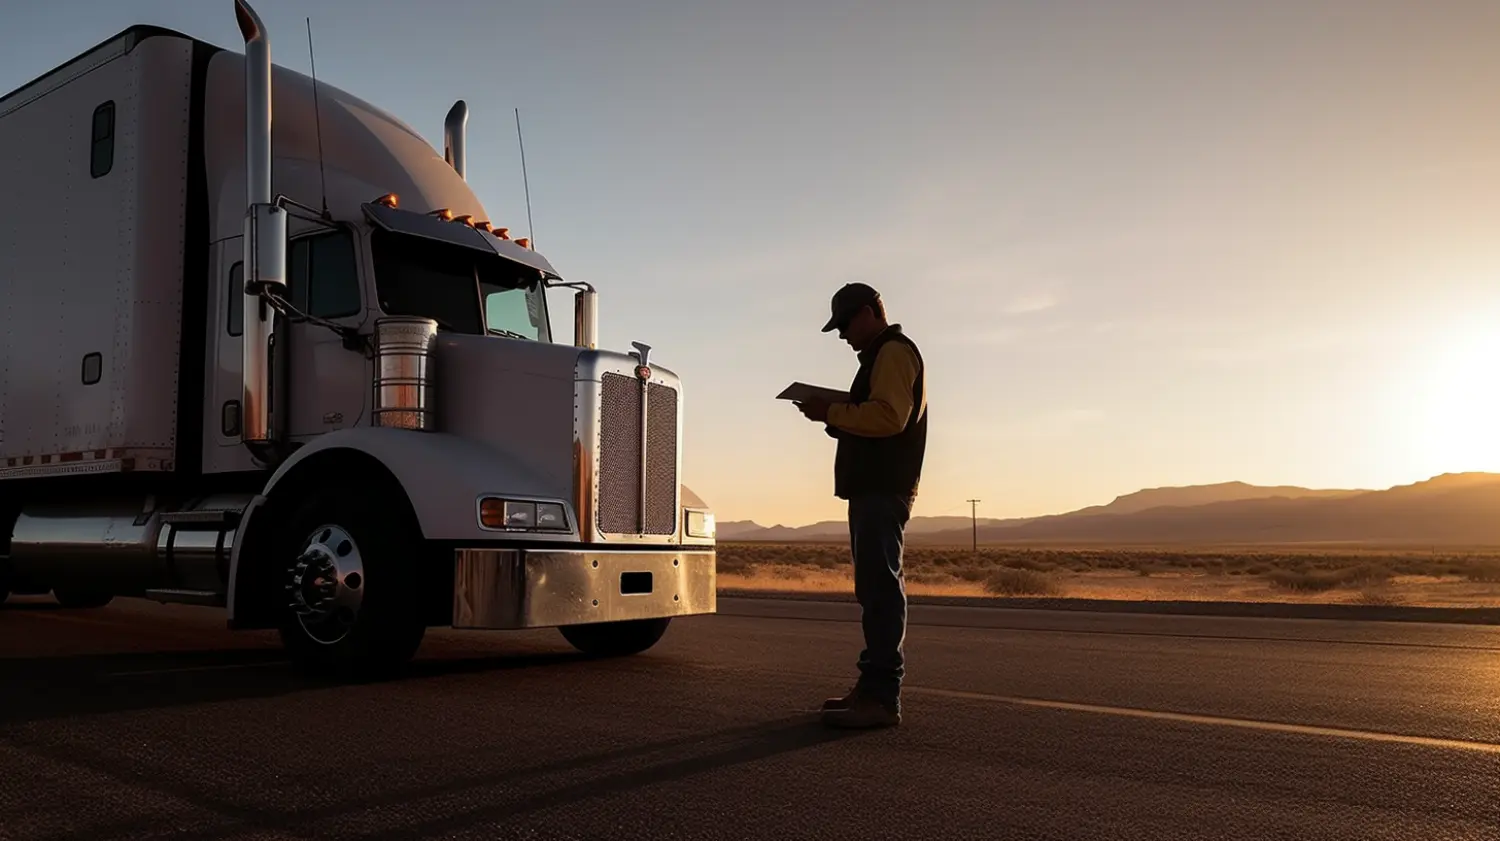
1213 720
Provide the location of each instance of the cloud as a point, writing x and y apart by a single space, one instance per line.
997 336
1052 424
1069 417
1225 342
1031 303
1047 424
1258 349
1034 334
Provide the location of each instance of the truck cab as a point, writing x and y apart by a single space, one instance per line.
333 401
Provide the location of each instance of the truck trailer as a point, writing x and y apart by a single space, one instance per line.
265 350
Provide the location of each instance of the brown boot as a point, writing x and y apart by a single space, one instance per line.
842 703
864 712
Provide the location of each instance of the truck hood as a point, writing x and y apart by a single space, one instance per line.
514 396
521 398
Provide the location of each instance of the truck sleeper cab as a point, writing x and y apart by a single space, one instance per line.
325 394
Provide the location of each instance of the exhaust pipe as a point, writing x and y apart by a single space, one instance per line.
265 242
455 126
586 318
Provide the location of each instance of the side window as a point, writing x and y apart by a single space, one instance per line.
324 275
513 311
102 144
236 319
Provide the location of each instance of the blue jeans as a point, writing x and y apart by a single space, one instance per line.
877 527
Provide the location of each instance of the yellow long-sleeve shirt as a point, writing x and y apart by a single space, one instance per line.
890 403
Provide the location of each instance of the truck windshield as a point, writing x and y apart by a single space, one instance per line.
463 290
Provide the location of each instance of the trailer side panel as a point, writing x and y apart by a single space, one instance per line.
92 241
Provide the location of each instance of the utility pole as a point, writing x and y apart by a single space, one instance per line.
974 521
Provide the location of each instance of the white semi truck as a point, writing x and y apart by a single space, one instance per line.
264 350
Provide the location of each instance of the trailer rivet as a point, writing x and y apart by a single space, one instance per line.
596 566
596 602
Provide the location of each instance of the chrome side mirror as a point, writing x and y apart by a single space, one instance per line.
265 249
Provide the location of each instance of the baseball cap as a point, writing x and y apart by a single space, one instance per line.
848 300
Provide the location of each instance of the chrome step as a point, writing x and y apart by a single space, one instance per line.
212 519
205 598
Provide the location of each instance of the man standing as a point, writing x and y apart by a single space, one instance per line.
882 437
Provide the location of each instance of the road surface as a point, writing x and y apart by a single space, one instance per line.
140 721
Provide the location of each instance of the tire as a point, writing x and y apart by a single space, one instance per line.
363 620
78 599
616 639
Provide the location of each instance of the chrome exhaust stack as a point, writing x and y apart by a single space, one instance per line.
455 127
586 318
265 242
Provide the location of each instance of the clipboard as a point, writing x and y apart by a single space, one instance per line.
802 392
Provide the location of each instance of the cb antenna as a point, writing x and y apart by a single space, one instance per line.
317 118
530 228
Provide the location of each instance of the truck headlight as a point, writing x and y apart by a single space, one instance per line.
523 515
699 523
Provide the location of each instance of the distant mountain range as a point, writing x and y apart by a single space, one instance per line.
1451 509
839 530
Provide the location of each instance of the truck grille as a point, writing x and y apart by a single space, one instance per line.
620 457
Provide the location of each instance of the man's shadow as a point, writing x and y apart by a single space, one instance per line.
580 778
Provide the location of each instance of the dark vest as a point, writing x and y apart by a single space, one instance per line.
890 465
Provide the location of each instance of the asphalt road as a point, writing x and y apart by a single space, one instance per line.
140 721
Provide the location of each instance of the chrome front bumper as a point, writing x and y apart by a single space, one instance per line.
501 589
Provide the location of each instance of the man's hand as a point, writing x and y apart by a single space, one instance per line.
815 410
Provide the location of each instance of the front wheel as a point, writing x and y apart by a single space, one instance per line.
347 564
616 639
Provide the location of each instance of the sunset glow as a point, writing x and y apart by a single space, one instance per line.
1140 243
1458 420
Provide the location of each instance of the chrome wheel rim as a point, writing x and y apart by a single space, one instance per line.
327 584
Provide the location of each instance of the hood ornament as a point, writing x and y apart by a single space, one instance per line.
642 355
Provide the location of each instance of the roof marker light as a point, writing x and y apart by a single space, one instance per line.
389 200
443 213
523 242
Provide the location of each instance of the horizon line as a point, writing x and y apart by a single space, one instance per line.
1118 497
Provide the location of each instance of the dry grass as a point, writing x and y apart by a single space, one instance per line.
1294 574
1021 582
1484 572
1323 580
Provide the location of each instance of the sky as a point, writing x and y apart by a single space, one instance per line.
1140 243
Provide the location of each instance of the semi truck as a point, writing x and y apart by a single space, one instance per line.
266 351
